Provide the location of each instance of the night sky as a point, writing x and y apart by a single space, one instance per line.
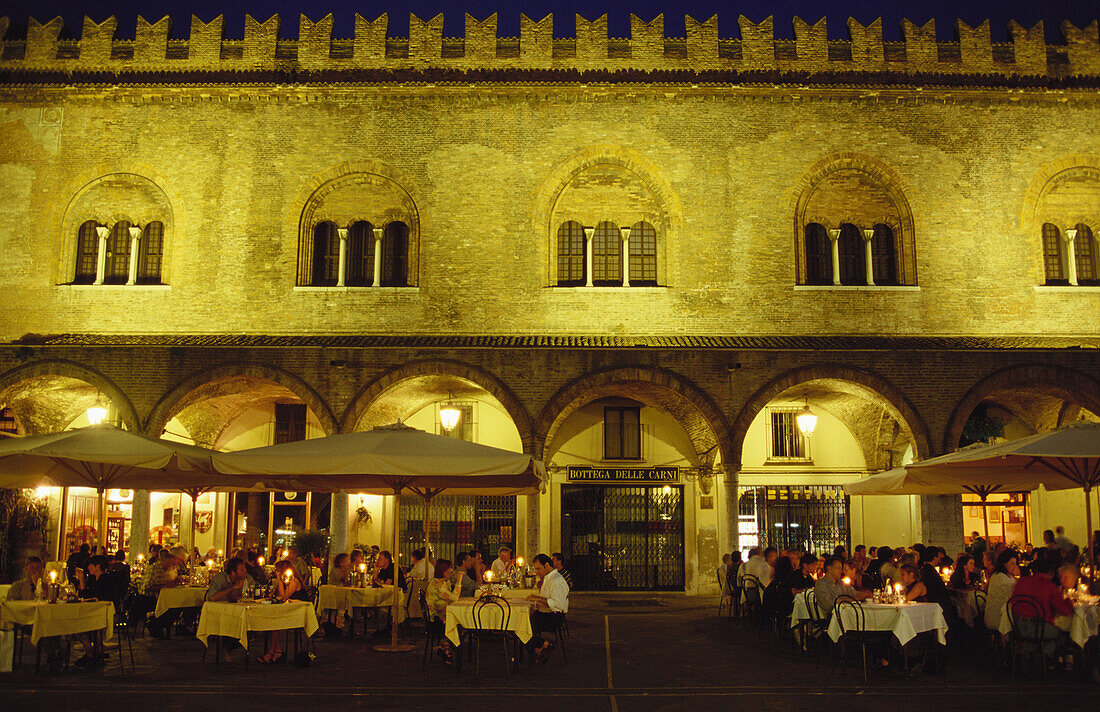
1052 12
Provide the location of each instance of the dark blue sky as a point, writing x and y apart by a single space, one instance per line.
1052 12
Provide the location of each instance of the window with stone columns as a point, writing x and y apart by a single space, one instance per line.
1070 255
854 226
607 255
360 262
124 253
118 254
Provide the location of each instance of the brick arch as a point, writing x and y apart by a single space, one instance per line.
1031 215
877 387
71 369
362 401
175 400
695 410
874 170
562 174
300 221
1071 386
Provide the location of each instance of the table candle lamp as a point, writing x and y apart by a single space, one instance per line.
489 580
897 590
260 561
362 575
847 581
52 593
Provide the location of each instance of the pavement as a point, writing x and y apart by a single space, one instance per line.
624 654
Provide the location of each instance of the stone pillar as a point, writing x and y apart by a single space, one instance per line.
342 269
135 249
377 257
834 239
625 232
1071 255
867 237
588 233
139 525
338 524
101 254
729 487
533 544
941 521
252 511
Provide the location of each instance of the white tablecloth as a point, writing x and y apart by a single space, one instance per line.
904 620
4 588
347 597
235 620
801 610
1081 626
50 619
179 597
461 614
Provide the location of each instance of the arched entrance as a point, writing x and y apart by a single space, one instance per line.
631 453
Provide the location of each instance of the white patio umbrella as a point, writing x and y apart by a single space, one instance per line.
387 460
105 457
1065 458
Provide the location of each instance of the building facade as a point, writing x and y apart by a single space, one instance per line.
637 259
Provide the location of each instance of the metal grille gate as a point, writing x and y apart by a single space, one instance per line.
811 518
623 537
466 523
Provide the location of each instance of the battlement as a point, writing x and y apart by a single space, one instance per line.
647 49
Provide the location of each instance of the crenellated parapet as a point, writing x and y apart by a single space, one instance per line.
648 48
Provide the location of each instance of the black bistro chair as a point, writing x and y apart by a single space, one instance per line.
1031 638
433 629
485 631
852 620
753 609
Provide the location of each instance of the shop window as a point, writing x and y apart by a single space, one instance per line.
622 433
809 517
785 441
458 523
1001 518
290 422
1052 255
571 255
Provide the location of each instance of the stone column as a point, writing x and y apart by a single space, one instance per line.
834 240
533 545
588 233
625 231
135 249
1071 255
139 525
867 236
101 254
729 486
941 521
342 269
338 523
377 257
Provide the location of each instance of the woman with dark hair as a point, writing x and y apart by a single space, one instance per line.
1002 583
288 587
441 592
911 584
965 576
778 600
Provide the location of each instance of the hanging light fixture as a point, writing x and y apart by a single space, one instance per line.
98 412
449 414
807 420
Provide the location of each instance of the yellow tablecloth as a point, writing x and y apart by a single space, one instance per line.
235 620
1081 626
904 620
461 614
4 588
50 619
347 597
179 597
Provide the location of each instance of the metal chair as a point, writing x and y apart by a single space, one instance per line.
735 592
852 620
484 632
754 605
816 631
433 630
124 630
725 599
1030 634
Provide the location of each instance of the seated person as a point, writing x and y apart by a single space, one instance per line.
77 560
420 569
966 576
829 587
559 564
120 570
384 576
32 581
465 583
503 563
227 585
252 566
441 592
1051 602
164 573
802 579
301 566
97 583
288 587
340 573
854 574
912 586
777 600
552 603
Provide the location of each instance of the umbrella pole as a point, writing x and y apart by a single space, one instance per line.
1088 526
102 519
194 505
393 646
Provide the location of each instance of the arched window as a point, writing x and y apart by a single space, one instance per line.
607 255
118 254
87 253
152 252
819 258
643 255
1084 249
361 255
884 255
571 255
326 255
1052 255
853 256
395 255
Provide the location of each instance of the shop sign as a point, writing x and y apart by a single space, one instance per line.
580 473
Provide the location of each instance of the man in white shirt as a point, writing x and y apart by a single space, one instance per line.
502 563
762 566
552 603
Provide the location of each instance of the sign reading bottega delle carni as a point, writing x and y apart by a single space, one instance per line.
623 474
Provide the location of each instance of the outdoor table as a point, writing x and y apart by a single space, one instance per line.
179 597
348 597
966 603
904 620
236 620
460 614
4 588
801 611
1081 626
52 619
